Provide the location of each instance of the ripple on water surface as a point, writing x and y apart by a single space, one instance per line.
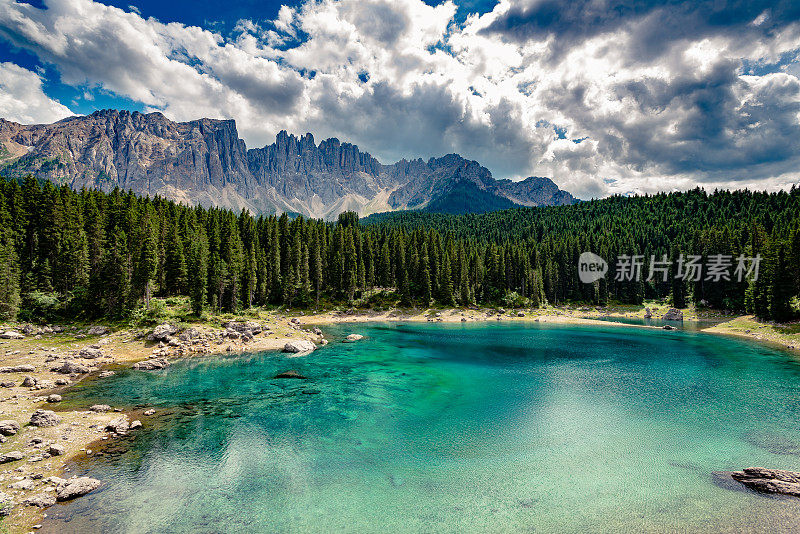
452 428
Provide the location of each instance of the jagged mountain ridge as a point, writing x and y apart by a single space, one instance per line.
205 162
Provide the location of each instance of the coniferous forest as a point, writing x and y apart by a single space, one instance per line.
71 254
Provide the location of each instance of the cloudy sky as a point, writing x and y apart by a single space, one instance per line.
603 96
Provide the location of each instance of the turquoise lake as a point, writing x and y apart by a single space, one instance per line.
453 428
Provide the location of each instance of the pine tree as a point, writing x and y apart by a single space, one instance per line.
445 283
175 268
781 286
350 275
425 276
147 261
384 270
316 267
401 273
276 280
232 254
9 269
116 275
198 271
218 278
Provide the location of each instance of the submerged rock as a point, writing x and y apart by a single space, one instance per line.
769 480
44 418
353 337
76 487
299 345
152 364
291 374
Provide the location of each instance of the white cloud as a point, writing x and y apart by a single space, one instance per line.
22 99
658 95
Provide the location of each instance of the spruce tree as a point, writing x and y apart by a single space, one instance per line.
197 272
425 276
147 261
316 268
175 268
9 269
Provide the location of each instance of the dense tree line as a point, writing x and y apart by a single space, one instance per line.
729 223
92 253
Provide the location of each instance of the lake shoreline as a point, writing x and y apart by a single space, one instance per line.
127 346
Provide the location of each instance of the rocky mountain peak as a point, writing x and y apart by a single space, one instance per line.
205 162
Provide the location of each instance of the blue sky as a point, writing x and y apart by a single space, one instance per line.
214 15
603 96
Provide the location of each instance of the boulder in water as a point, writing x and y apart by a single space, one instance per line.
353 338
152 364
299 346
291 374
119 425
76 487
769 480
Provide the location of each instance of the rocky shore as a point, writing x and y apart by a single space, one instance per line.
39 440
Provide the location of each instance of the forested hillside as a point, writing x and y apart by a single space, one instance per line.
88 253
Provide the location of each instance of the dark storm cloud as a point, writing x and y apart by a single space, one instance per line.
655 24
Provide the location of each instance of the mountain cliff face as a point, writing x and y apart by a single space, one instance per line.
205 162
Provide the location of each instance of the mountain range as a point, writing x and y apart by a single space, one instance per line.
205 162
